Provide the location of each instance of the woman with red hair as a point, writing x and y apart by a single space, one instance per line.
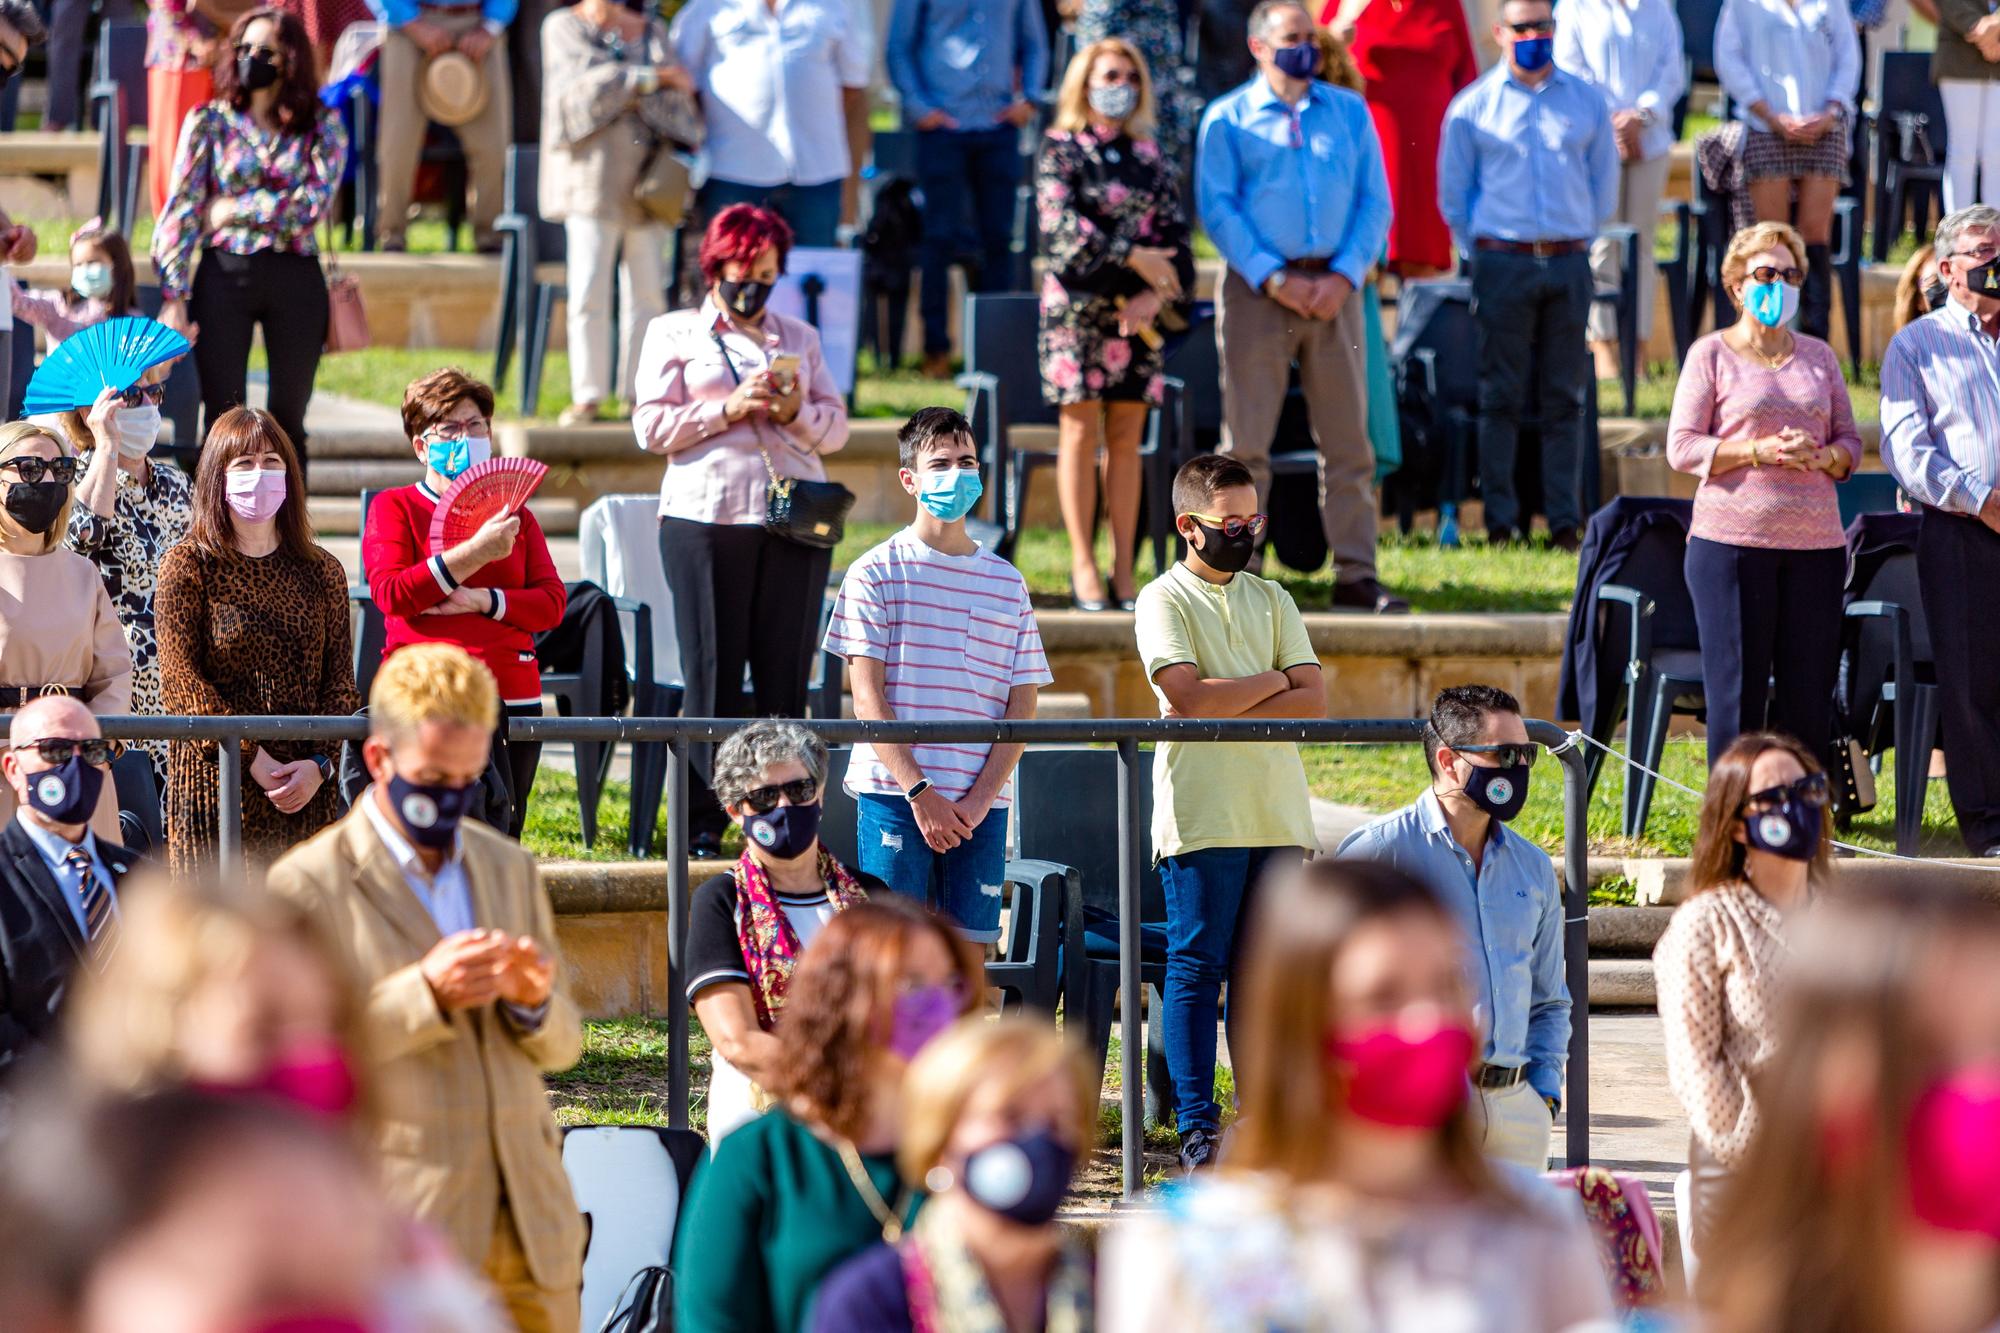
735 397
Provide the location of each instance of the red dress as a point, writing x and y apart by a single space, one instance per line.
1415 55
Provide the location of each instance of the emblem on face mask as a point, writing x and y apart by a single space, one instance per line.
51 790
1501 790
1775 828
419 811
764 834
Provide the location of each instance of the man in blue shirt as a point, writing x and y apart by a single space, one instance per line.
1527 174
1503 889
966 70
1290 186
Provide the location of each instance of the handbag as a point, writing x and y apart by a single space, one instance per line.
346 314
662 191
645 1306
811 513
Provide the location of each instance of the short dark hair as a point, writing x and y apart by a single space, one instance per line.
926 427
1458 716
437 395
22 17
1205 476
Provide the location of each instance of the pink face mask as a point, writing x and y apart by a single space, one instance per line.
315 1075
1395 1078
1953 1151
314 1323
255 496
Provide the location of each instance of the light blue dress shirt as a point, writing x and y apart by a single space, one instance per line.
1273 186
1512 915
1631 51
1527 164
1797 59
971 59
53 850
496 14
1941 410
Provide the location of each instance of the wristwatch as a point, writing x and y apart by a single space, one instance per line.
922 785
1275 281
325 767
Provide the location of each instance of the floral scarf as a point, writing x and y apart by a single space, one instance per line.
948 1292
770 945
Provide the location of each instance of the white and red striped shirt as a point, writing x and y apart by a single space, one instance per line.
956 633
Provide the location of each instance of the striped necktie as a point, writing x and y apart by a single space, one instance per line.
98 923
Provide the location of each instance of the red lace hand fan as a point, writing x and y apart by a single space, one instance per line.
482 492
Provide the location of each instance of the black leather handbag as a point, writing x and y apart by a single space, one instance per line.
812 513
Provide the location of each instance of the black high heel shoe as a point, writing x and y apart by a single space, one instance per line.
1081 604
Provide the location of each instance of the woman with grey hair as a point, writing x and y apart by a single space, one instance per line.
749 927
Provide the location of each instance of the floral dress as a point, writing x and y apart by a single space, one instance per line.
1096 199
145 521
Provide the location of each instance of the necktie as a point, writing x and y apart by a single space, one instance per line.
98 923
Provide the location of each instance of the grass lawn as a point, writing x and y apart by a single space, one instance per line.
1656 392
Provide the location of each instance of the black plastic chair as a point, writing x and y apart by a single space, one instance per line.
1909 148
441 149
1187 422
1867 493
528 291
140 826
1698 19
118 105
371 636
1888 691
1028 971
580 693
1678 271
1624 298
1003 388
1434 361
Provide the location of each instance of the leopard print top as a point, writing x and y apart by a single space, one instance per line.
249 636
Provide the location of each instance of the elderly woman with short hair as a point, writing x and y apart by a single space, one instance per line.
749 926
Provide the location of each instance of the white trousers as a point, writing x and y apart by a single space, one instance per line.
1518 1126
1972 141
594 255
1640 185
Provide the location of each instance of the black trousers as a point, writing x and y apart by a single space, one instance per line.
1532 314
1767 614
1958 566
741 597
233 294
518 760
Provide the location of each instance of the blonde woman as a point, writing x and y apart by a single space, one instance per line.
1115 251
59 633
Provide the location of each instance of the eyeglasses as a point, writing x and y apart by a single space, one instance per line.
1507 755
763 800
1539 28
1111 78
1791 277
455 430
1979 256
57 750
1811 789
144 395
1233 528
32 470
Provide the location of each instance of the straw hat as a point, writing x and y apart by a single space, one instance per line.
451 89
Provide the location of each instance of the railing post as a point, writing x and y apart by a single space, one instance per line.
1132 1055
1576 950
677 925
229 812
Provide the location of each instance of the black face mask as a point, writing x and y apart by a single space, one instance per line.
257 72
36 505
1500 792
745 298
1222 553
7 73
1984 280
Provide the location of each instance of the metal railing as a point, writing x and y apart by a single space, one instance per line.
1126 734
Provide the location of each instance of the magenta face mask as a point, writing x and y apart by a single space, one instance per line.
315 1075
255 496
921 1015
1403 1080
1953 1150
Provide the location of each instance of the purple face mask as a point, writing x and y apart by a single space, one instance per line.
922 1014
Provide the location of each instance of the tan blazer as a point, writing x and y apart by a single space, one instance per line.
463 1113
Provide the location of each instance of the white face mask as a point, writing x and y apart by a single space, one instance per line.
138 429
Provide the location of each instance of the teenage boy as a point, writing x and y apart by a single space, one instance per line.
934 628
1219 642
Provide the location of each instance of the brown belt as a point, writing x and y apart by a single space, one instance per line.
1496 1078
17 696
1539 249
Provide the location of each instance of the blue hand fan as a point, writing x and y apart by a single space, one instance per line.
111 355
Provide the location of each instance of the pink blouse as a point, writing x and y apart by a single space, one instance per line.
1726 396
714 471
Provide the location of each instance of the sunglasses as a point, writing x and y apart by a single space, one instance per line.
1791 277
1812 789
763 800
1539 28
57 751
1508 756
144 395
32 470
1235 527
246 49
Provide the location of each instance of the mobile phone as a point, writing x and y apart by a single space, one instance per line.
785 369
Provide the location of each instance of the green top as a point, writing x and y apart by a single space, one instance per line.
1247 794
767 1219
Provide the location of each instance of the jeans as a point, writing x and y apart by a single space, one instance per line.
965 883
954 166
812 211
1209 896
1531 314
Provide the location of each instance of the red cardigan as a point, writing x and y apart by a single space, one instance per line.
406 580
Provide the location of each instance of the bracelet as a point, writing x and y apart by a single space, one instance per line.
1755 461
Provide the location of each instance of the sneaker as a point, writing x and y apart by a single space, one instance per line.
1199 1150
577 414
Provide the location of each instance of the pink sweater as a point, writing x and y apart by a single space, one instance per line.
1725 396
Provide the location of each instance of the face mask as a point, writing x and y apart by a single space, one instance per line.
448 458
920 1016
1772 304
1296 62
1391 1078
1935 295
1953 1153
430 815
36 505
745 298
1023 1179
314 1074
1984 280
787 832
315 1323
1114 101
255 496
1533 53
68 793
1790 831
256 72
949 496
138 428
90 281
1222 553
1500 792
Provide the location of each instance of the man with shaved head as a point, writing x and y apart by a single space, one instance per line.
59 883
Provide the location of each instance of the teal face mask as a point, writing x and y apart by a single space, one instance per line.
951 495
1772 304
448 458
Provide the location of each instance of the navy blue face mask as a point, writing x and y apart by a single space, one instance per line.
66 794
1022 1179
787 832
1296 62
430 815
1790 829
1500 792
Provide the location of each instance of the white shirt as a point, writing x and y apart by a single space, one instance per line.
771 85
1941 410
1629 50
1798 60
447 895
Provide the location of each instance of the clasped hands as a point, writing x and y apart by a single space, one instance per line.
472 968
1985 37
1793 448
292 786
1313 295
946 823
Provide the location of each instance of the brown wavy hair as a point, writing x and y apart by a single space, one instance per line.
239 431
1718 856
297 107
838 1011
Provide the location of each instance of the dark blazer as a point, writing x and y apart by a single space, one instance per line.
40 945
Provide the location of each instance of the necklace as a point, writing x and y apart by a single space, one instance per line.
891 1220
1770 362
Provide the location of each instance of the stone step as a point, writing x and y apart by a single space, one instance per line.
1662 881
1621 983
1627 932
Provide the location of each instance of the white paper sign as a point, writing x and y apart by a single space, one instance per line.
839 303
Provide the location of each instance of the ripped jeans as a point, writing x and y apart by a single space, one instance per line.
966 883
